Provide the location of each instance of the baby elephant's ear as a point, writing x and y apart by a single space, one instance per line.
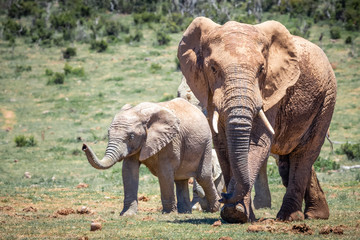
162 128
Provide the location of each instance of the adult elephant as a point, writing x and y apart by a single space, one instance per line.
265 91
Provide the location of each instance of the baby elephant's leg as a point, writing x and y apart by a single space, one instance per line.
183 198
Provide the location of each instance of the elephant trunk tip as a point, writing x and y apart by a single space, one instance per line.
84 147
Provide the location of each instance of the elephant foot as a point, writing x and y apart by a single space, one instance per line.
129 212
234 213
129 209
214 207
294 216
317 214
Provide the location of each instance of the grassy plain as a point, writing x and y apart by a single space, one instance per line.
61 117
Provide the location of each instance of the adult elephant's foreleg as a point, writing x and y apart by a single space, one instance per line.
262 198
130 176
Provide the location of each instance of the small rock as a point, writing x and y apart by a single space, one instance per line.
27 175
95 226
217 223
82 185
83 210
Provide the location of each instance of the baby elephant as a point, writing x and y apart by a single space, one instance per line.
173 140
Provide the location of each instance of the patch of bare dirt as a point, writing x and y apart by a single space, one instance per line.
82 185
65 211
302 228
335 230
6 208
30 209
9 119
148 218
144 198
225 238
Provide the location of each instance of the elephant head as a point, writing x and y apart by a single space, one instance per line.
144 130
238 71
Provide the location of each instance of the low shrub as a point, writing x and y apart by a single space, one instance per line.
57 78
352 151
335 33
155 67
162 38
324 164
76 71
348 40
99 46
49 72
134 38
23 141
69 52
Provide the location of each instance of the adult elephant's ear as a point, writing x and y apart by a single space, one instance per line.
282 63
191 59
162 127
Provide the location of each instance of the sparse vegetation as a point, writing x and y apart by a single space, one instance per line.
69 52
24 141
352 151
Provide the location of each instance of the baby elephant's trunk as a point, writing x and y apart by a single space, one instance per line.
104 163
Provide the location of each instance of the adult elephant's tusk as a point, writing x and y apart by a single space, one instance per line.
266 121
215 121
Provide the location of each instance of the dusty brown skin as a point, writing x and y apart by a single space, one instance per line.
173 140
238 69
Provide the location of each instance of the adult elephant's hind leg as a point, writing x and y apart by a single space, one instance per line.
182 195
316 206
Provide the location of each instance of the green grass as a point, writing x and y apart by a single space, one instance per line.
61 117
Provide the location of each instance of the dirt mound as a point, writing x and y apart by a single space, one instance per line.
144 198
336 230
65 211
302 228
30 209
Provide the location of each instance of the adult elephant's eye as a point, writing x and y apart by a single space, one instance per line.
213 69
131 136
262 68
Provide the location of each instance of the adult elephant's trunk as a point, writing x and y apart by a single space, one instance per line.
242 102
110 158
238 128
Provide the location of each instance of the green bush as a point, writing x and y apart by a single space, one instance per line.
57 78
49 72
23 141
112 28
63 20
352 151
335 33
22 8
162 38
348 40
154 67
324 164
134 38
146 17
68 70
99 46
69 52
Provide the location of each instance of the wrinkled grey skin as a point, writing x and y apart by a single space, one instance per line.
217 177
262 198
173 140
